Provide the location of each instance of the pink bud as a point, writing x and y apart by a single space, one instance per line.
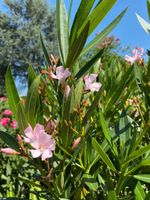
76 143
67 91
9 151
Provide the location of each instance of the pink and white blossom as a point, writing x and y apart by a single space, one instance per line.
7 112
91 84
137 54
42 143
61 74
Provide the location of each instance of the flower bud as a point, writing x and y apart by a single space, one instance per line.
9 151
76 143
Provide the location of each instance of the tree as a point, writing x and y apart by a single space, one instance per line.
20 30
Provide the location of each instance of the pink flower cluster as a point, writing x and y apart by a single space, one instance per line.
62 74
42 143
137 54
6 120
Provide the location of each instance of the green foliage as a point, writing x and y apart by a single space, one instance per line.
20 30
102 150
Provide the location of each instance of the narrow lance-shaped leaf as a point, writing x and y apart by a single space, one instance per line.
143 177
46 55
89 64
31 102
90 181
76 48
62 30
91 110
103 155
21 117
97 15
148 8
31 75
139 191
107 132
119 90
99 37
138 153
144 24
9 140
81 15
12 94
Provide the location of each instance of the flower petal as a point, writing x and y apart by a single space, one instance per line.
46 154
35 153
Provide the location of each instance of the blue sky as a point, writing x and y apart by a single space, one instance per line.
129 30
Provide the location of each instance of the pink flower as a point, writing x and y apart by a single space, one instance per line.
42 143
67 91
61 74
4 121
90 83
13 124
137 55
3 98
9 151
7 112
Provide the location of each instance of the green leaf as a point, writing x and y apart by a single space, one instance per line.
32 101
112 195
31 75
77 46
127 78
90 181
91 109
21 117
78 92
99 37
89 64
143 177
143 163
138 153
62 30
97 15
46 55
81 15
9 140
107 133
148 8
103 155
144 24
139 192
12 94
123 130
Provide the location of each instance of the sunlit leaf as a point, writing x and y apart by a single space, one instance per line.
143 177
13 96
103 155
62 29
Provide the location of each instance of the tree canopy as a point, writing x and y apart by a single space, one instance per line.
20 25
